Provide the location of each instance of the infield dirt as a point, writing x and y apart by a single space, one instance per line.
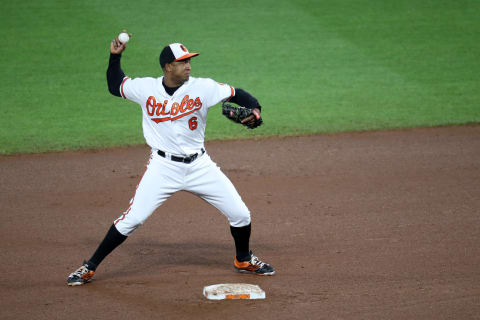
376 225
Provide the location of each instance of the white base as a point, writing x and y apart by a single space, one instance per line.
229 291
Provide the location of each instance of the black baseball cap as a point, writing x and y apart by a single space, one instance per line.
175 52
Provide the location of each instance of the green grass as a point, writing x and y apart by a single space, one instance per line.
315 66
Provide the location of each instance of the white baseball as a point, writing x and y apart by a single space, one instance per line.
123 37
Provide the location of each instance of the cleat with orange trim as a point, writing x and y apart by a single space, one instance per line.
81 276
253 266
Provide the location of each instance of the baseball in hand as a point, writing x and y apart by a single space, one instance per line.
123 37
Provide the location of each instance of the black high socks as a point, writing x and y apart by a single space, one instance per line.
241 236
113 239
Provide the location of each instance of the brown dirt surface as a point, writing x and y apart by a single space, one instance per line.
376 225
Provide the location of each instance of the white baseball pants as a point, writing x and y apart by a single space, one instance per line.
164 177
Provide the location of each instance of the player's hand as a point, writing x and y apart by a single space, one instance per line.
250 120
116 46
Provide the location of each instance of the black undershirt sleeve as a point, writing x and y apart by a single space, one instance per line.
115 74
245 99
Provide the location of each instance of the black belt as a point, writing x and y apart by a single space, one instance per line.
188 159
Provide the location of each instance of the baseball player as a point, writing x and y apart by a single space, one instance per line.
174 109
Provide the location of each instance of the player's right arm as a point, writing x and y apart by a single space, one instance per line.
115 75
120 85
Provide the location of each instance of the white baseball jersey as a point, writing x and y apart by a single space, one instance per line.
175 123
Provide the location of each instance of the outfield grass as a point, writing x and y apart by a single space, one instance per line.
316 66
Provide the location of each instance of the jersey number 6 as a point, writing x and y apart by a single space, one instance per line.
192 123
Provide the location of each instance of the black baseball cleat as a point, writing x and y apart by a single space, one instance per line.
81 276
253 266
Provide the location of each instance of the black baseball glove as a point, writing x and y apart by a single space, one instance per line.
248 117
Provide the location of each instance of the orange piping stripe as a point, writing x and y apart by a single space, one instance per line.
121 87
133 199
123 215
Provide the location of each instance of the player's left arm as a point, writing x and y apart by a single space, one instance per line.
245 99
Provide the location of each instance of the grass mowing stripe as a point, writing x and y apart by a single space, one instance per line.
316 66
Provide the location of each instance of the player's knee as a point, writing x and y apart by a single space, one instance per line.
240 221
127 226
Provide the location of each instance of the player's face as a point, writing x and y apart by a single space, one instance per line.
181 71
